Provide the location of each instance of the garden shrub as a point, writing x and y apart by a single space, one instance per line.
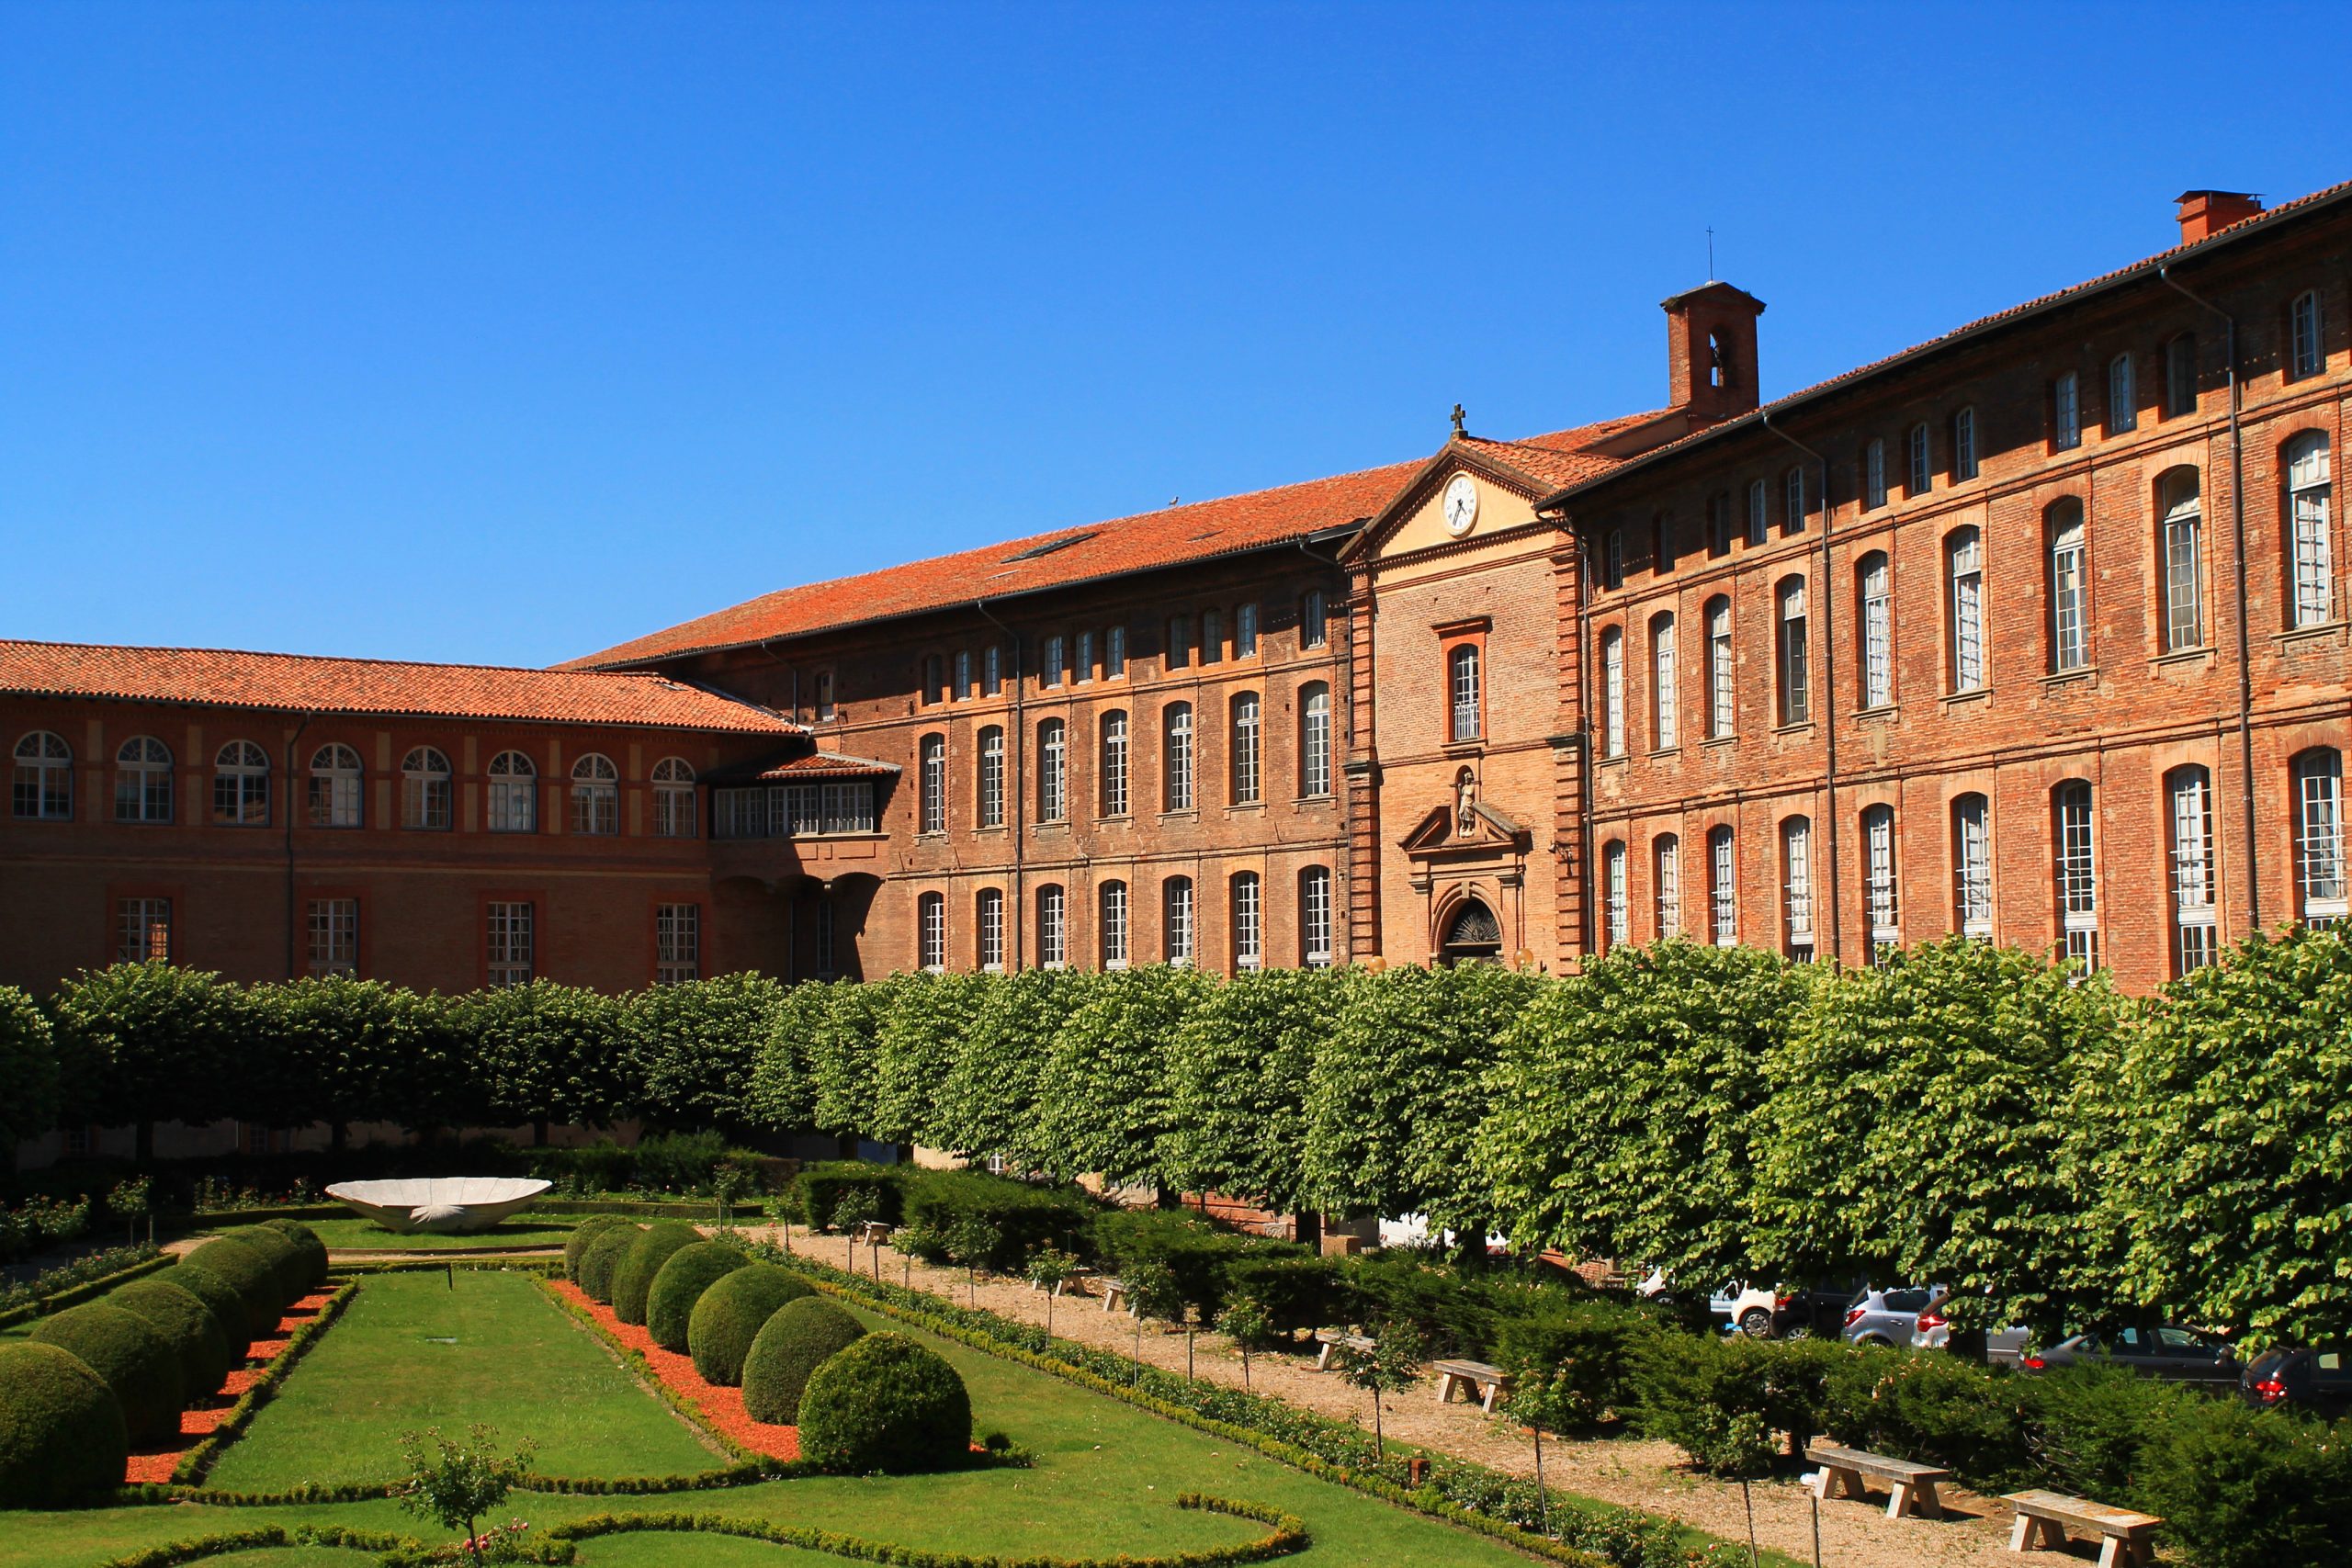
2242 1488
285 1260
250 1274
1195 1252
63 1439
678 1286
1025 1217
575 1246
1452 1314
794 1342
29 1075
182 1317
1693 1389
633 1275
601 1259
730 1314
1583 1352
885 1404
689 1162
2087 1427
314 1252
1938 1410
1297 1293
220 1298
817 1191
137 1362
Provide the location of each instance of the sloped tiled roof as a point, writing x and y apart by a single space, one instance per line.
827 765
293 682
1178 534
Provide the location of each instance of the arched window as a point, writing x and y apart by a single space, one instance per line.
1111 925
1315 949
2070 631
1874 474
1794 652
1176 920
1176 757
43 787
1473 935
2309 529
989 912
1666 877
2319 836
1919 462
514 793
2306 350
2074 836
1963 445
1248 750
1462 683
1053 926
2189 798
1796 887
1879 900
931 784
426 790
1617 918
1723 886
675 815
1612 691
1248 921
595 795
142 781
1964 580
992 780
931 932
2178 503
241 784
1315 739
1613 559
333 795
1665 725
1722 682
1113 768
1875 587
2180 376
1972 865
1053 770
2122 396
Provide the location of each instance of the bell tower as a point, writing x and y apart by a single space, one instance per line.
1711 351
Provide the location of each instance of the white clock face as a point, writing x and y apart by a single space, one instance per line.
1461 504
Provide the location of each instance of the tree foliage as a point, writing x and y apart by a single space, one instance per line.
547 1053
841 1053
693 1045
987 1105
915 1049
149 1042
1102 1093
29 1077
1238 1066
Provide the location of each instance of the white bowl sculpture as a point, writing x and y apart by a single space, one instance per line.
443 1205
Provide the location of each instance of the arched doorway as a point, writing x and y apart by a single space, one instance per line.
1473 935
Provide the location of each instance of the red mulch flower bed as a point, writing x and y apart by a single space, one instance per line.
154 1462
721 1407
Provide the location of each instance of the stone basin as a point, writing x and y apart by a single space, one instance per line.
441 1205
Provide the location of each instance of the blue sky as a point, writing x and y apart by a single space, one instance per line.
504 332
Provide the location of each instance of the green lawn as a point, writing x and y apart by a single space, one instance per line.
523 1230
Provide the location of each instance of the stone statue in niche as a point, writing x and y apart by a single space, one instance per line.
1465 803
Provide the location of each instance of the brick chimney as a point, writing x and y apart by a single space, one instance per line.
1710 350
2204 213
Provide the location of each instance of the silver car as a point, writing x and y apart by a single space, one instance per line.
1889 1317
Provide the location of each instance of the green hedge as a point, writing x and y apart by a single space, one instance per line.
249 1272
1197 1253
187 1321
575 1246
885 1402
63 1440
1025 1217
220 1298
114 1267
287 1264
730 1314
679 1284
633 1275
819 1190
600 1259
134 1358
309 1248
795 1340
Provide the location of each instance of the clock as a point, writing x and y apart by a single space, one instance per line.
1461 504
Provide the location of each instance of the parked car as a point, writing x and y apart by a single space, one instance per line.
2162 1350
2003 1346
1762 1314
2318 1379
1889 1317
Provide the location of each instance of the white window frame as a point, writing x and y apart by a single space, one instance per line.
2074 833
1212 637
142 930
240 786
595 796
1802 939
1315 932
332 927
428 792
1053 674
1245 629
1465 720
678 943
1919 460
1111 902
2188 799
1176 927
2182 565
2123 395
1723 884
142 784
931 784
1878 631
1760 520
1612 691
1666 878
2070 627
2307 351
336 789
1114 654
1874 474
1723 675
1085 664
991 670
1666 716
1053 770
1315 741
931 932
1248 921
1179 647
988 915
1053 926
1794 631
2320 878
675 812
1964 573
1115 750
990 781
1176 757
510 942
1616 916
1881 903
1971 864
43 787
1964 464
1795 508
2066 412
1314 620
1248 749
514 793
2311 528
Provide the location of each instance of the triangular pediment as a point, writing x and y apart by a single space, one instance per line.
1439 833
1415 520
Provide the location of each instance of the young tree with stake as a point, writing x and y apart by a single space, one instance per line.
852 1214
1246 1322
972 1241
1391 1366
1151 1292
1048 1269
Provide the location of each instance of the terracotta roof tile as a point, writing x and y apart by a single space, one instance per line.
292 683
828 765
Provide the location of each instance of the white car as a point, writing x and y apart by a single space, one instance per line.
1747 1308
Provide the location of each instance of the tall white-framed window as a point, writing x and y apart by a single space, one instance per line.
2067 412
1963 445
1793 503
931 932
1613 559
1114 654
1212 637
2319 836
42 789
1245 630
1176 920
2188 799
1462 683
1964 570
1616 896
595 795
962 672
1176 757
991 670
509 941
1879 894
1723 886
1877 592
333 791
514 793
2306 350
1665 725
2070 631
1315 949
1874 474
1113 767
241 784
1722 683
1794 652
1053 770
674 815
678 943
1314 626
1085 660
1972 865
142 930
988 911
426 790
2123 395
826 710
1919 460
1760 507
142 781
1796 887
1056 661
2180 376
1248 921
1248 746
2184 564
931 787
332 928
992 777
2311 529
1612 691
1180 642
1665 879
2077 871
1315 739
1053 926
1111 924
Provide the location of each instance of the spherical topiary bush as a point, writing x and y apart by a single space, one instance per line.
249 1273
633 1277
180 1316
136 1361
219 1297
575 1246
730 1314
602 1257
307 1243
679 1284
885 1404
62 1437
789 1346
285 1260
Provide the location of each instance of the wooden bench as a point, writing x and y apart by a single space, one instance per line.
1115 1291
1911 1487
2043 1518
1471 1377
1072 1281
1331 1338
874 1233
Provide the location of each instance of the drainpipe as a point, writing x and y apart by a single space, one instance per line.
1828 692
292 742
2238 536
1016 791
